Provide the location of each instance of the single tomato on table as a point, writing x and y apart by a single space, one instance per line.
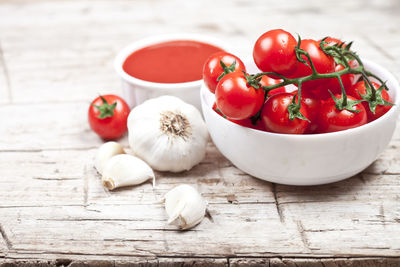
359 89
108 115
236 99
331 119
274 51
212 69
275 115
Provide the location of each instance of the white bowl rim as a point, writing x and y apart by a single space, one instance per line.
364 127
129 49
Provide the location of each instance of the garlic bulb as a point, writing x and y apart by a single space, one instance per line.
185 206
125 170
105 152
168 134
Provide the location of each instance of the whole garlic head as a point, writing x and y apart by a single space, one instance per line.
125 170
167 133
185 206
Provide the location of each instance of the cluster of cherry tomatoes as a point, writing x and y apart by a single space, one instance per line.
274 51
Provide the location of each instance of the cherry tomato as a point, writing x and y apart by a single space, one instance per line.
235 99
274 52
244 123
331 119
108 116
267 81
275 115
332 41
380 110
212 68
347 79
312 105
322 63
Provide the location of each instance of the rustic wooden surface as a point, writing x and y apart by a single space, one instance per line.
55 56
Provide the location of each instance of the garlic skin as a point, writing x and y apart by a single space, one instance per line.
105 153
185 206
167 133
126 170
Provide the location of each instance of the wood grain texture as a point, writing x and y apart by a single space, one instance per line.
55 56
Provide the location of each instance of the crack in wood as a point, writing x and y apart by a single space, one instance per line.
5 237
382 215
85 186
6 74
303 236
277 204
56 178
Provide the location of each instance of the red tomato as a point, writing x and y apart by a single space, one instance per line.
108 116
332 41
235 99
347 79
331 119
244 123
212 68
312 105
359 88
322 63
274 52
275 115
267 81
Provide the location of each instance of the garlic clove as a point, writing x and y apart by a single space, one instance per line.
126 170
185 206
105 152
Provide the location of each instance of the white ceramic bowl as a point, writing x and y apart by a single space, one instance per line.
136 91
303 159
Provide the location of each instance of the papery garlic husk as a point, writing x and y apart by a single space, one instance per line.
105 153
185 206
167 133
126 170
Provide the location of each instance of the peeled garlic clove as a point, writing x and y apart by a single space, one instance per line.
105 153
185 206
125 170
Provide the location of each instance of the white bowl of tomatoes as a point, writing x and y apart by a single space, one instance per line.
325 149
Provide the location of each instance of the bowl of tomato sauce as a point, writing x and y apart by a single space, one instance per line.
308 159
165 65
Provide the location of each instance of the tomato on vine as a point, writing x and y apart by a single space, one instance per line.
236 99
312 105
322 62
245 123
332 119
274 51
267 81
275 115
213 69
360 89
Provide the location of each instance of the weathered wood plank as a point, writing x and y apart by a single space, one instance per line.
44 178
52 204
5 90
49 126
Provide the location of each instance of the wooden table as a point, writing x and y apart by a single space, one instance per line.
55 56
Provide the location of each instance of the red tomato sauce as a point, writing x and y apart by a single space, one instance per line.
169 62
